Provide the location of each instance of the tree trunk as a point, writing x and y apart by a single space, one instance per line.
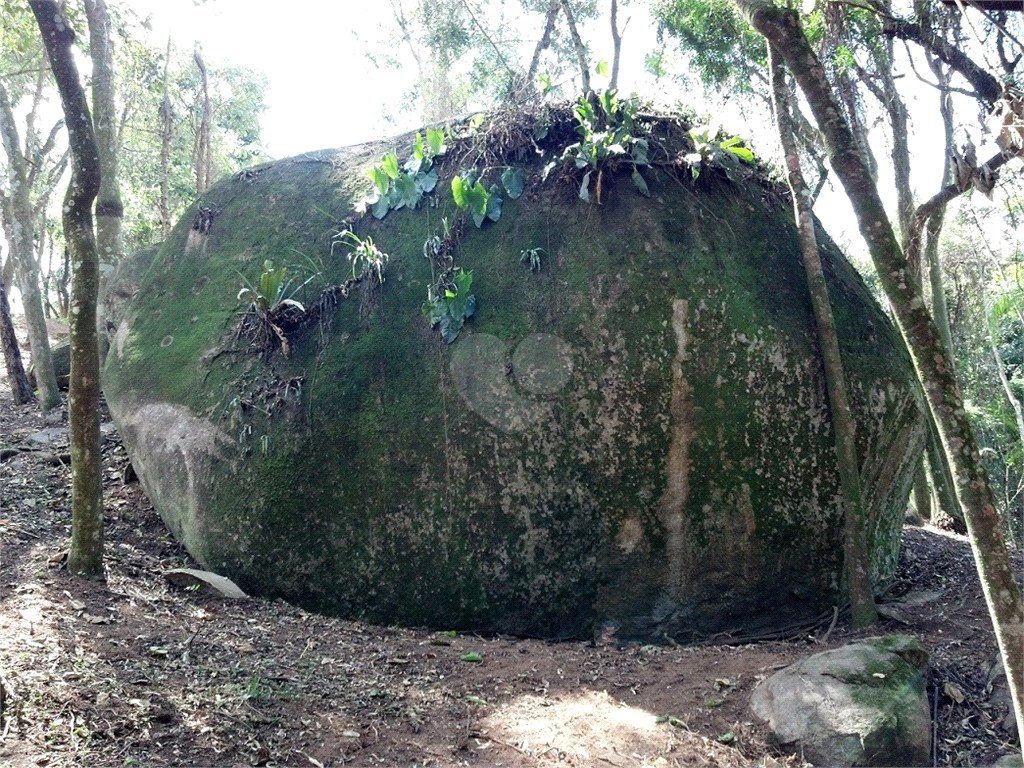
85 557
855 534
542 45
203 156
20 387
17 219
166 134
109 210
922 493
581 49
935 369
613 83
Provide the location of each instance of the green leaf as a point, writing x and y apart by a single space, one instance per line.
602 68
473 657
379 178
425 182
493 207
417 147
380 208
742 153
544 81
389 163
640 184
585 188
638 151
459 188
405 192
514 180
609 103
435 141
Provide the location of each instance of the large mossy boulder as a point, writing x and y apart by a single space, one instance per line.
634 431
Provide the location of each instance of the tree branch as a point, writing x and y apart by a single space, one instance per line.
988 87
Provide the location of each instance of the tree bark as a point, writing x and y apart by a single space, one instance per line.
203 156
166 134
17 222
986 86
20 387
542 45
581 49
855 534
85 557
935 369
109 209
613 83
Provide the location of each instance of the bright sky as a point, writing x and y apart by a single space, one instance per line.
324 92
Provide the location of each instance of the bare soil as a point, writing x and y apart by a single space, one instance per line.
136 672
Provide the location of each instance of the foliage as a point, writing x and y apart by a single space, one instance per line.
710 151
722 49
608 130
470 195
237 95
531 256
451 306
397 187
270 303
470 54
271 291
366 258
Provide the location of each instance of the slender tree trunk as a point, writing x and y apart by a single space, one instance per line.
20 387
1002 595
581 49
166 134
17 222
855 534
613 83
542 45
109 210
203 156
85 557
922 492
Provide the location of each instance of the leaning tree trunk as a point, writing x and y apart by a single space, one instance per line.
109 210
85 557
855 534
20 387
579 47
782 29
203 156
166 134
16 217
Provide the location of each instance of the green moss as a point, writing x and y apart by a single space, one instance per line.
386 492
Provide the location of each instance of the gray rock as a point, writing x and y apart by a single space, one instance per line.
210 583
60 354
637 434
864 704
48 436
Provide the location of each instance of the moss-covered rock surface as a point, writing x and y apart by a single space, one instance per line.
633 431
862 704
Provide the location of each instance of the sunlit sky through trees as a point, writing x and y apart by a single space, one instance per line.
326 91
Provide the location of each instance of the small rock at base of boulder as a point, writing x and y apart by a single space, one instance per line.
205 581
60 355
864 704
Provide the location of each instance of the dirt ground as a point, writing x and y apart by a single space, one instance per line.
137 672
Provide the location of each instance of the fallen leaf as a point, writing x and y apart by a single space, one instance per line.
954 691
